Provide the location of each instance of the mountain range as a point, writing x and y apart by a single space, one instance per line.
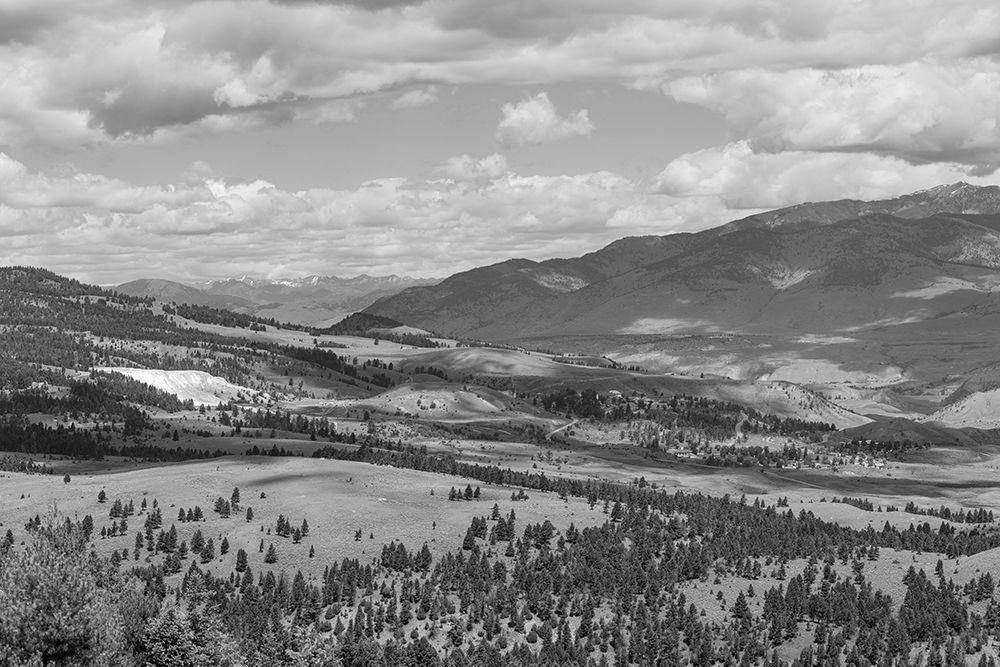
313 300
880 291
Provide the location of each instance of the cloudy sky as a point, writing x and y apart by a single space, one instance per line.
194 140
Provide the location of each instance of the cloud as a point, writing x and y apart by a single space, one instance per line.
205 226
823 100
468 168
415 98
741 178
120 71
536 121
27 190
917 111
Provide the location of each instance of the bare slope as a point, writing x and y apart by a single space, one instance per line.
978 410
200 387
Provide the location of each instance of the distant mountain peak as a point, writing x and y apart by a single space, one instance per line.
312 280
944 189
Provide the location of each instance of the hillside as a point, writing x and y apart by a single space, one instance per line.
833 292
197 386
977 410
853 274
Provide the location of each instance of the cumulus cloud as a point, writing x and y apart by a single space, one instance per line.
27 190
917 111
138 71
108 230
741 178
536 121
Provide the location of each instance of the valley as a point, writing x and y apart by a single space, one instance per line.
736 480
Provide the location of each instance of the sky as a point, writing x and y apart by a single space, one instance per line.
285 138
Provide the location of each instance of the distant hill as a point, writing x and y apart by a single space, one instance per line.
171 291
314 300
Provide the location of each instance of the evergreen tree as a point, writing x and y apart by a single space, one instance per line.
241 560
208 551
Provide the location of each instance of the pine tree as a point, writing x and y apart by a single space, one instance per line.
272 555
197 541
740 608
241 560
208 551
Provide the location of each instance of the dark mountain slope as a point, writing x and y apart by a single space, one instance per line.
796 271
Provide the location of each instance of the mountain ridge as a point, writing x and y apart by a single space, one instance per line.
874 299
769 253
